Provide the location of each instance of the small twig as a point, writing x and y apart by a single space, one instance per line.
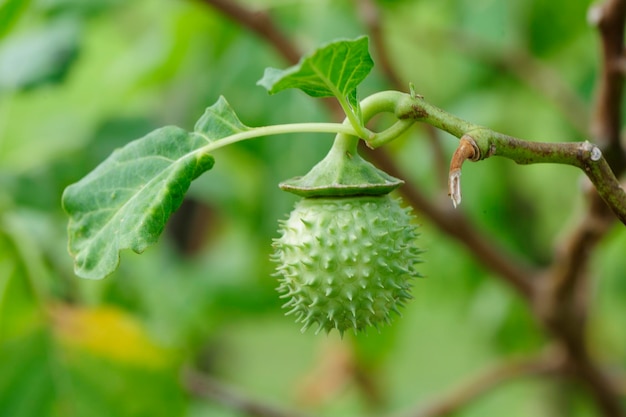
259 23
610 19
563 291
487 381
203 386
562 302
603 389
467 150
370 15
582 155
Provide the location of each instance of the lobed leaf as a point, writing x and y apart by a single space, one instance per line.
219 121
126 201
335 69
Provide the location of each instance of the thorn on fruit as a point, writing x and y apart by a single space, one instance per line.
335 280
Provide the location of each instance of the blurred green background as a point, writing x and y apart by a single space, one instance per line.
79 78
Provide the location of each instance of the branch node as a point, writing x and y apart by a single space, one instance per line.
595 154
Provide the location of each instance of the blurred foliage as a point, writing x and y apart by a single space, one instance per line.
79 78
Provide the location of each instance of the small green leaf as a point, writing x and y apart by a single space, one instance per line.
125 202
335 69
219 121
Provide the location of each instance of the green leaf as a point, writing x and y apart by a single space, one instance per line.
126 201
219 121
335 69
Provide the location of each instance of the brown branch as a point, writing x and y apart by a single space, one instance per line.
259 23
263 25
203 386
582 155
562 295
489 380
563 301
610 17
602 388
370 15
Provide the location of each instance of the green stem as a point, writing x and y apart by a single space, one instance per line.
419 110
347 132
346 144
381 102
409 108
358 126
258 132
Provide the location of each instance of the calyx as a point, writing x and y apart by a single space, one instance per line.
342 173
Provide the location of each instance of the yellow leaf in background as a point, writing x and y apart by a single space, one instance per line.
108 332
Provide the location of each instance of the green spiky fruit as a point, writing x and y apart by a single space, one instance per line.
346 262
